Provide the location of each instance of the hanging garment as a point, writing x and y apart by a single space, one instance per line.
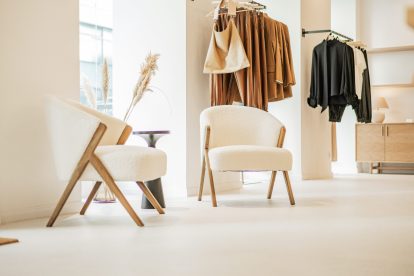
258 84
365 107
360 66
246 85
287 61
333 78
280 74
319 89
226 53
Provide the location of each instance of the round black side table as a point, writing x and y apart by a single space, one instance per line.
155 186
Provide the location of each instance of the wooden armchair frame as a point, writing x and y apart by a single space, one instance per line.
89 156
206 163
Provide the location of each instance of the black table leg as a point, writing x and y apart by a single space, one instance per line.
155 187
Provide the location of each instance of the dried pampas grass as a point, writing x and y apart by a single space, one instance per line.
148 69
105 81
89 92
104 195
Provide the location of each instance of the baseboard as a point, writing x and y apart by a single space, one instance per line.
40 211
315 176
364 167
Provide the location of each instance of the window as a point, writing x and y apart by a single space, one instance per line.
96 45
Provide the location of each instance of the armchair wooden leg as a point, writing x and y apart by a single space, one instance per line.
271 185
107 178
206 162
289 188
151 197
62 200
69 188
90 197
203 173
80 167
212 188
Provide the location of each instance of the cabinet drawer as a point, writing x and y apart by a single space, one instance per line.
399 143
370 142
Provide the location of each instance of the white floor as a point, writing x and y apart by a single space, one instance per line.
347 226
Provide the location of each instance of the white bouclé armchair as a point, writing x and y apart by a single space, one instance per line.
87 146
239 138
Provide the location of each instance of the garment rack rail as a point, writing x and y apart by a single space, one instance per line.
305 32
262 7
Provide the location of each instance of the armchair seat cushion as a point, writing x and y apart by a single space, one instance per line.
128 163
250 158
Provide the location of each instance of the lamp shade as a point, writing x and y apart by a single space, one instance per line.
381 103
410 16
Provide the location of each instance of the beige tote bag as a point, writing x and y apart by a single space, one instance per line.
226 52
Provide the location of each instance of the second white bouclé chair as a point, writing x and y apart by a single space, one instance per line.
239 138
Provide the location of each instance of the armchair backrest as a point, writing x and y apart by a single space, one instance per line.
115 127
70 131
239 125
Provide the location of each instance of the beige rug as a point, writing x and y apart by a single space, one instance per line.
4 241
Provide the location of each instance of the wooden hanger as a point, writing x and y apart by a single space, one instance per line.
230 4
233 5
357 43
330 36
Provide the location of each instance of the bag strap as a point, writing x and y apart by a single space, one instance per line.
221 4
231 7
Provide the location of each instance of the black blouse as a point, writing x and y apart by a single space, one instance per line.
333 75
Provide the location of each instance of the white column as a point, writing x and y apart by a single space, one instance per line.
316 131
289 111
198 28
39 55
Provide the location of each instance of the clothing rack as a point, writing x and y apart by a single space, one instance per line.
261 6
334 147
305 32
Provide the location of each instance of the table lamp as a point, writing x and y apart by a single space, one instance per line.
410 16
378 114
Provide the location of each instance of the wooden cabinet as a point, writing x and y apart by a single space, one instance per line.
399 143
392 142
370 143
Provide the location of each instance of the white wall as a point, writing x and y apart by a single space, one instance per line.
344 15
157 26
39 55
198 28
393 67
316 130
383 23
289 110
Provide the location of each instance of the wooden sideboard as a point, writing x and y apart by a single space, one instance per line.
385 143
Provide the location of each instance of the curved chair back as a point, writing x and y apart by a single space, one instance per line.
239 125
115 127
70 131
